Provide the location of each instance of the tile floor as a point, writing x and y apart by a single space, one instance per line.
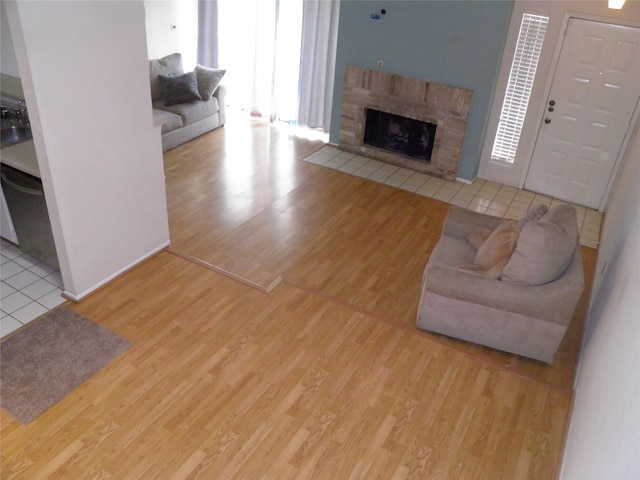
481 195
29 288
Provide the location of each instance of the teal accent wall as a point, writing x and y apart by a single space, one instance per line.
453 42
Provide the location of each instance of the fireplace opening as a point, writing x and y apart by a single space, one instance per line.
407 136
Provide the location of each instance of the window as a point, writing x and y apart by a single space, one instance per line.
523 71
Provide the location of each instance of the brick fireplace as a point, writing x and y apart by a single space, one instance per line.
443 106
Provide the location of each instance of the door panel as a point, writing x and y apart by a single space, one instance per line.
592 100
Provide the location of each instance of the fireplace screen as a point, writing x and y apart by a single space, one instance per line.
413 138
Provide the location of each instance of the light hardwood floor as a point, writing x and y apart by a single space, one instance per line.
323 377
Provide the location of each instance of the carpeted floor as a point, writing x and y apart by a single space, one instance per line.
47 359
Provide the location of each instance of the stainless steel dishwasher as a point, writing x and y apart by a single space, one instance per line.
28 210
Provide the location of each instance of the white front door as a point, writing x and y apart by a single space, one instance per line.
594 93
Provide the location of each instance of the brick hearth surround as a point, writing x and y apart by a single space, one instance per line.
446 106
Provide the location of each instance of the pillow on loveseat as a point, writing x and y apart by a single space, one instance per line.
169 65
478 237
494 253
179 88
545 248
208 80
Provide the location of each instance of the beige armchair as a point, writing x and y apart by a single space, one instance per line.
527 310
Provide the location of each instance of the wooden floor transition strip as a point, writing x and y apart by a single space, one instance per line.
269 287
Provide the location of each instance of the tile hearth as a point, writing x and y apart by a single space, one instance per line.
481 196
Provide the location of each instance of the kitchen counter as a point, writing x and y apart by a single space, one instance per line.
21 156
11 86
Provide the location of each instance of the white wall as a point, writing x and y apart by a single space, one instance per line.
85 75
162 38
604 431
8 62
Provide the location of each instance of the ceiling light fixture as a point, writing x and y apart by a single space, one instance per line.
616 4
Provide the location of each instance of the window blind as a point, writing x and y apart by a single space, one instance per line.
523 71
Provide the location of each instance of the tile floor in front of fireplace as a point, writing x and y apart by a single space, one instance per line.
482 195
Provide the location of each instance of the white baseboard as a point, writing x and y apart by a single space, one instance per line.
464 180
77 298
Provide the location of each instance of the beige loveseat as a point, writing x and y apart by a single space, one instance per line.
526 308
187 104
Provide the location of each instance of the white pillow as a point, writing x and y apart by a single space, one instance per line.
208 80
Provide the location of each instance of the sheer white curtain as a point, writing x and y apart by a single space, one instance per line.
318 61
279 55
208 33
